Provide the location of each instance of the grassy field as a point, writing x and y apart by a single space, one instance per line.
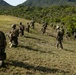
37 53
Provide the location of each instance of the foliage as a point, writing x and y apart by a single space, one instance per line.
36 53
46 3
53 14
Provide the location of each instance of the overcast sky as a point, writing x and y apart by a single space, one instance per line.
14 2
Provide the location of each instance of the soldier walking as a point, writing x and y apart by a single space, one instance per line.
3 44
14 33
27 27
62 31
32 23
44 26
21 29
74 35
67 35
59 38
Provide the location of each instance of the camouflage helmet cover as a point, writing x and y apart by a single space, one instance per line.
57 27
13 25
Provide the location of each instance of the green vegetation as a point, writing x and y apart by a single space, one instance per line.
37 53
53 15
47 3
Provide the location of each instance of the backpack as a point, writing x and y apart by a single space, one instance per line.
14 33
21 27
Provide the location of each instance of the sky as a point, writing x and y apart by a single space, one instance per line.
14 2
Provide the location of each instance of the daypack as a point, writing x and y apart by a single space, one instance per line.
14 33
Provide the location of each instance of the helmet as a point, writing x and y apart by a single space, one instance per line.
57 27
27 22
20 23
13 25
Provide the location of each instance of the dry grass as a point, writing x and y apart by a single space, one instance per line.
37 53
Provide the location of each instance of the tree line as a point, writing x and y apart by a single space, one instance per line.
53 15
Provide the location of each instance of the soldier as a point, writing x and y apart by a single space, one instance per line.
21 29
44 26
27 27
74 35
62 31
14 33
3 44
33 23
57 28
59 38
67 35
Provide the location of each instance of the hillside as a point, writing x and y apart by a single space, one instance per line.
52 15
37 53
48 2
3 3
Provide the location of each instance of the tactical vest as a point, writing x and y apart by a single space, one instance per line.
21 27
59 35
14 33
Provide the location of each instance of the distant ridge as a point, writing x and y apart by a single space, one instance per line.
3 3
48 2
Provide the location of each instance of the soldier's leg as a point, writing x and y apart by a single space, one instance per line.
22 33
28 30
11 39
33 26
43 30
57 45
2 52
2 57
16 42
61 45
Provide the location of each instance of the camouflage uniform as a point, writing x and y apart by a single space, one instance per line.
27 27
74 35
14 33
44 26
3 44
21 29
68 35
59 38
33 23
62 31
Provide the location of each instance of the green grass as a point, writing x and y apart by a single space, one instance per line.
37 53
